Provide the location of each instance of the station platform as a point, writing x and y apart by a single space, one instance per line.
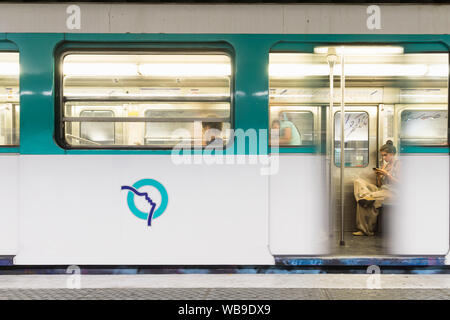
226 287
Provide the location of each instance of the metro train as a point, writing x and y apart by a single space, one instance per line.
90 122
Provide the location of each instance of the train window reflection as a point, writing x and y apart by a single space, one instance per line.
99 132
356 137
304 122
424 127
9 99
298 120
152 97
176 132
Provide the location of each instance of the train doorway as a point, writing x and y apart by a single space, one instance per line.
352 153
369 200
384 95
360 157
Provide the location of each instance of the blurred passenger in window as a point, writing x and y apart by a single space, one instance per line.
275 133
212 134
370 197
288 133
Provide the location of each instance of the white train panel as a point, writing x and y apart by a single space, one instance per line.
9 210
299 218
419 225
73 211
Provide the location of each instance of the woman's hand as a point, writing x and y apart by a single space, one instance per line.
382 172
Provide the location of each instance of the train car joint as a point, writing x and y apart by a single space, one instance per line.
6 260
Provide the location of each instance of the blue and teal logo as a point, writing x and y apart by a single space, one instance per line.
155 211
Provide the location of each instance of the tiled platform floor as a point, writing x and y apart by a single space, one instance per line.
227 287
224 294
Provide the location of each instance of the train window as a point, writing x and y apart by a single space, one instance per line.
424 127
356 137
9 99
299 121
304 124
155 99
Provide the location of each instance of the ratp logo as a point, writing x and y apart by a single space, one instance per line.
155 211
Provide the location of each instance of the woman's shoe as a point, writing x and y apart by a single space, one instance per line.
358 233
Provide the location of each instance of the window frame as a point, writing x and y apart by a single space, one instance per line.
60 99
316 124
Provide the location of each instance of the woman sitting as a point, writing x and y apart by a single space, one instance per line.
370 197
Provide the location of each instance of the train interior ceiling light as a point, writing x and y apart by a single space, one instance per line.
361 50
147 65
9 64
360 70
361 61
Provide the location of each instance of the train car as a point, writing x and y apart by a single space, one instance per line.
103 156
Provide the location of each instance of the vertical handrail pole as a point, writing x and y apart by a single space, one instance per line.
342 242
332 58
330 143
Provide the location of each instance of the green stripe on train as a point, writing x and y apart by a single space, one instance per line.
250 66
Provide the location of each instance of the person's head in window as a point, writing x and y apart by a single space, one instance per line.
389 171
275 125
275 132
212 133
388 151
289 134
